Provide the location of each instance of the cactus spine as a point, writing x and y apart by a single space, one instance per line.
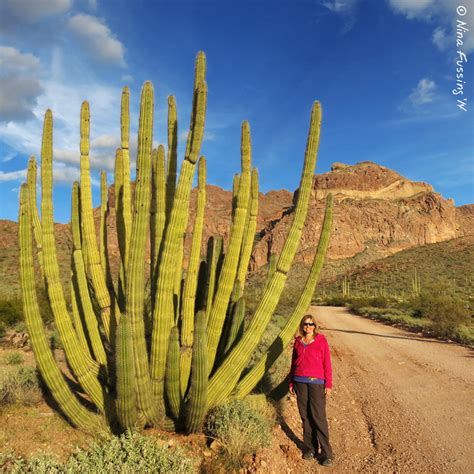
194 358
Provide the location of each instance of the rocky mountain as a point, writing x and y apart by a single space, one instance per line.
377 213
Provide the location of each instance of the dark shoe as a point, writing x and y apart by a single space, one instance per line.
326 462
308 455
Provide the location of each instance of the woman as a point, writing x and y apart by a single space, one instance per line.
311 380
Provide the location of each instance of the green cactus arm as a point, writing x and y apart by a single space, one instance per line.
231 260
50 372
190 285
158 210
103 222
272 262
84 368
172 161
31 179
172 389
136 259
248 383
77 320
88 229
126 402
82 286
163 313
227 375
214 255
197 400
126 193
120 225
235 192
236 328
251 228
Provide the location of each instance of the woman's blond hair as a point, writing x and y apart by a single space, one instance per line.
305 317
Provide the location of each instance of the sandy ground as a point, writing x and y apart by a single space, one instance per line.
401 403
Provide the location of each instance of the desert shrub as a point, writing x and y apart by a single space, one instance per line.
10 312
55 339
14 358
20 387
239 429
129 453
336 300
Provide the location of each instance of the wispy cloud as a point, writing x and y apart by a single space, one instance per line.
98 39
443 14
423 93
347 9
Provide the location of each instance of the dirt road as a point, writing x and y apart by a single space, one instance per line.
401 403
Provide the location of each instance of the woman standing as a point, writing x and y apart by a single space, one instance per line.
311 380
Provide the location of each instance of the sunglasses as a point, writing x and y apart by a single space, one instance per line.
309 324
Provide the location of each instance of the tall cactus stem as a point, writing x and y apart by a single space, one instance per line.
158 210
82 287
163 317
214 255
136 259
172 389
190 285
97 273
50 372
126 192
250 229
172 161
197 399
35 220
231 260
126 404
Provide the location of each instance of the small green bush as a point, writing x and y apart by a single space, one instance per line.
129 453
20 387
14 358
10 312
239 429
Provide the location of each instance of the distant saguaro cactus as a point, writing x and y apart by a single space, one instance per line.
165 351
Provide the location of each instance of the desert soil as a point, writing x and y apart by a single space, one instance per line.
401 403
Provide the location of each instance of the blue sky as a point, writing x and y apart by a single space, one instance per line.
383 70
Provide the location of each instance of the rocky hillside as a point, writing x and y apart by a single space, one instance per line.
377 213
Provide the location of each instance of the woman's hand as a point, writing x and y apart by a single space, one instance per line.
292 390
327 391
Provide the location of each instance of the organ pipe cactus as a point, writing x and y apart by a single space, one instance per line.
149 342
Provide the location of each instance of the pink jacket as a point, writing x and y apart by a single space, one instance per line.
314 360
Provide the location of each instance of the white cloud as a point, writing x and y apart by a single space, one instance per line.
345 8
30 11
12 175
127 78
12 60
423 93
412 8
61 174
19 85
97 38
444 14
440 39
340 6
106 141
